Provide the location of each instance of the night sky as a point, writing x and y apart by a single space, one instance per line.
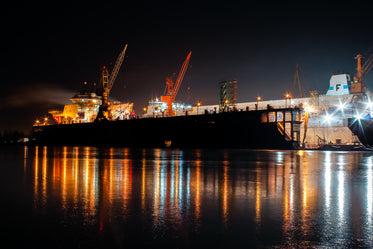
51 49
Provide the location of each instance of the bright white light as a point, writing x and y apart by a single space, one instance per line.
369 104
358 116
328 118
341 106
308 108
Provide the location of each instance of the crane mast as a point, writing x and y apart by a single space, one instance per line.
297 80
116 68
172 87
108 80
107 84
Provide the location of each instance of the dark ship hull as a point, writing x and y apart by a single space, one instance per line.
223 130
363 129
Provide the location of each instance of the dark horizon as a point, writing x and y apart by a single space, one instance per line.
51 50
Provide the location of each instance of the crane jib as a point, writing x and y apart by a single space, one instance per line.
116 68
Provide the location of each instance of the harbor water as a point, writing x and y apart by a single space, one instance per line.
101 197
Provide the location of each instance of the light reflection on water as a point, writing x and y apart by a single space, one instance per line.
261 198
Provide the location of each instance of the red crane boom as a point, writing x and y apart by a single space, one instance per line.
172 87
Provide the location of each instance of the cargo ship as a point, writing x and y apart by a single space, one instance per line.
255 129
315 122
94 120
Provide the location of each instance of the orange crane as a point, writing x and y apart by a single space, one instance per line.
358 86
172 87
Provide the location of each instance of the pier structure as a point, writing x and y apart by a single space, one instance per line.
287 120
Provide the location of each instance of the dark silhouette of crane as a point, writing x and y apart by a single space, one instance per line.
107 84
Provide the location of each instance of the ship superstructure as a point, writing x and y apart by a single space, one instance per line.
85 108
157 108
